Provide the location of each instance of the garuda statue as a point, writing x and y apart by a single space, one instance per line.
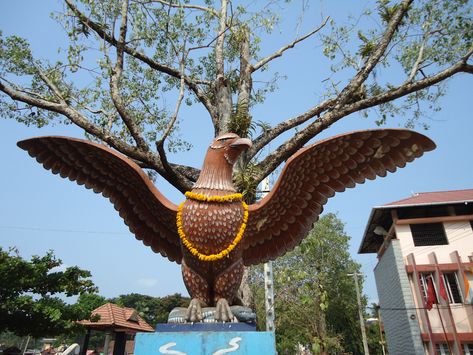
213 234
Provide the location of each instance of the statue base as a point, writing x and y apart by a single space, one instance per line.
205 327
241 314
216 342
207 337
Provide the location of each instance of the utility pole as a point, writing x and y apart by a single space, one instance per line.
360 313
268 278
269 296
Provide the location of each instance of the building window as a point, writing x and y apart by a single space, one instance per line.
468 349
442 349
424 282
451 286
428 234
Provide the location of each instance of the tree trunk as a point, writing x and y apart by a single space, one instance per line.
245 295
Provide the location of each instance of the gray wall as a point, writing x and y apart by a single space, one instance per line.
397 304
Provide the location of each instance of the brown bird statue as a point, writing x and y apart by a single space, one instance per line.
213 234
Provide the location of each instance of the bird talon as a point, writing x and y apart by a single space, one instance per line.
223 313
194 311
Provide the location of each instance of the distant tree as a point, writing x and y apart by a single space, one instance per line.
153 309
85 304
373 331
315 300
28 305
9 339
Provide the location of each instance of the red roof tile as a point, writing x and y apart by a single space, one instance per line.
116 317
434 198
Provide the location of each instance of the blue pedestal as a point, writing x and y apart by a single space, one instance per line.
205 343
206 327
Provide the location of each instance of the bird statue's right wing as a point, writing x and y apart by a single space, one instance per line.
149 215
279 222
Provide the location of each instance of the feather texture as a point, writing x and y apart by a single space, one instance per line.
276 224
313 175
149 215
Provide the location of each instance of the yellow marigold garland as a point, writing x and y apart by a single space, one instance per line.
203 198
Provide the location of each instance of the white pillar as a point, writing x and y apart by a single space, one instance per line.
268 278
106 343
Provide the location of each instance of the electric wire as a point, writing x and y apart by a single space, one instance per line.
60 230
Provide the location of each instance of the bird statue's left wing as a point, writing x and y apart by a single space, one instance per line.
279 222
149 215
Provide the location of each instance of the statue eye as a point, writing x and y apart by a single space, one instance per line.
223 139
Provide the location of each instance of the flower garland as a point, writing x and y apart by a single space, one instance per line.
203 198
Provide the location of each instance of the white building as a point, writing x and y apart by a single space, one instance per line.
425 253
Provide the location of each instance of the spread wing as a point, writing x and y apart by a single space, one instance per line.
279 222
150 216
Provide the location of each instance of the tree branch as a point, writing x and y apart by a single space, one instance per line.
160 144
184 6
219 62
343 97
338 104
286 125
115 84
420 58
284 151
189 172
50 84
374 58
245 83
76 118
280 52
405 89
147 158
28 98
191 84
222 86
192 174
176 109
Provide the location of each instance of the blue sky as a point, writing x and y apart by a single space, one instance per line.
40 211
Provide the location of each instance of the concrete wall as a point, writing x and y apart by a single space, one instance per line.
397 304
459 235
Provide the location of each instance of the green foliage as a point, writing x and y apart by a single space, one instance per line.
15 56
433 36
9 339
27 304
246 182
240 120
153 309
374 340
315 299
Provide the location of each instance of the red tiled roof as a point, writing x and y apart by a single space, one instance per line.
433 198
116 317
